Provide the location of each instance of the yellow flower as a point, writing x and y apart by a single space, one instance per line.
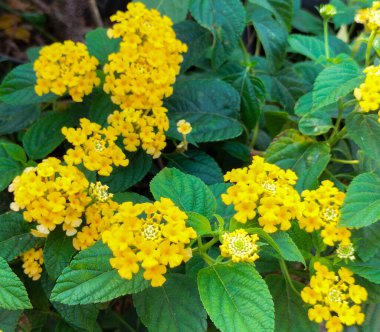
184 127
32 261
141 74
240 246
334 298
369 17
321 211
150 236
66 67
266 190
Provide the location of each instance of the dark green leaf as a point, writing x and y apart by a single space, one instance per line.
9 169
9 319
15 118
100 46
100 107
176 10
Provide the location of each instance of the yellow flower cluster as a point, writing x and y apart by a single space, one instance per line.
143 128
141 74
32 261
99 217
334 298
369 17
94 146
240 246
266 190
51 194
321 210
151 236
63 67
368 94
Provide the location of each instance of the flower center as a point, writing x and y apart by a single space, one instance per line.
99 145
151 232
99 192
269 186
346 251
330 214
240 247
335 296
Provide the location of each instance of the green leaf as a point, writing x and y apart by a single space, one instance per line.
272 35
129 197
123 178
45 135
334 82
100 107
306 22
15 236
100 46
199 164
90 279
58 251
200 223
289 249
310 46
175 306
197 39
361 205
226 21
252 94
9 169
371 322
188 192
211 106
291 313
17 87
369 241
238 150
225 211
368 270
13 151
15 118
9 320
236 298
281 9
307 158
364 130
13 295
176 10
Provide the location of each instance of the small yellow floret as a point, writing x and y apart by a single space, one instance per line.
32 261
184 127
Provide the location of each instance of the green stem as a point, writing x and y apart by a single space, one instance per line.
335 138
255 133
342 161
369 47
326 37
257 47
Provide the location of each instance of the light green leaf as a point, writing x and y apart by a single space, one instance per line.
13 151
307 158
90 279
289 249
199 164
310 46
100 46
211 106
226 21
236 298
176 10
13 295
15 236
334 82
368 270
361 205
45 135
200 223
17 87
174 307
364 130
197 39
123 178
188 192
291 313
58 251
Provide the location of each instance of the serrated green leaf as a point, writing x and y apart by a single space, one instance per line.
17 87
188 192
226 21
15 118
45 135
15 236
100 46
9 169
289 249
291 312
310 46
334 82
200 223
58 251
199 164
123 178
13 295
197 39
361 206
90 279
364 130
236 298
174 307
307 158
176 10
211 106
9 320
